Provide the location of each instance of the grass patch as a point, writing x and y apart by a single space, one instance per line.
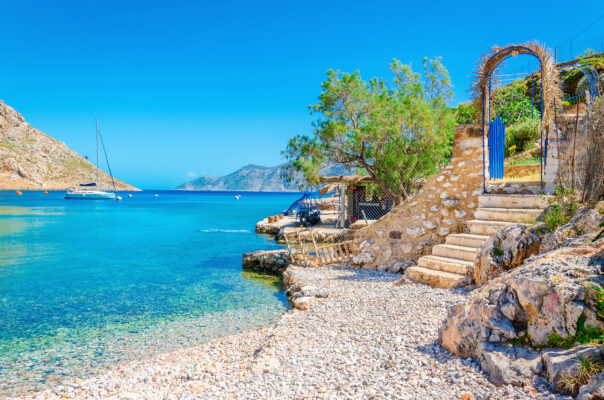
529 160
561 209
584 335
587 367
524 340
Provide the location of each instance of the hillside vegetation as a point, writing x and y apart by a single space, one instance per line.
30 159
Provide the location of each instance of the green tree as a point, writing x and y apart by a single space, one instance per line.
394 131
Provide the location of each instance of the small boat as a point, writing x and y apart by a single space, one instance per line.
156 195
83 193
90 191
129 195
19 193
238 197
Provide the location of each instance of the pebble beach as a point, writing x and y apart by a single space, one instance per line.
368 339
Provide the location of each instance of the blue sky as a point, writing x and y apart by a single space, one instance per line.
186 88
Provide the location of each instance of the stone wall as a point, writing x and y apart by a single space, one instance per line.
559 164
440 207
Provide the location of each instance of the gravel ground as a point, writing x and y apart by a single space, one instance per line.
369 339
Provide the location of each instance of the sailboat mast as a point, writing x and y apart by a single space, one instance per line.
97 153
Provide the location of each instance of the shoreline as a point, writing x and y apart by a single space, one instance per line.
360 336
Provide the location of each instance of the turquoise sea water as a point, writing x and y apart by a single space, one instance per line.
85 285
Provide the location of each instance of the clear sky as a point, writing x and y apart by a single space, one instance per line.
189 88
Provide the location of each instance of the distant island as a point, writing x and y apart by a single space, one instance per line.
254 178
32 160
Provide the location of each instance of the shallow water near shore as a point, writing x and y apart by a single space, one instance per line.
85 285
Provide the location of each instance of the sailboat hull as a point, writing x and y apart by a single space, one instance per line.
90 195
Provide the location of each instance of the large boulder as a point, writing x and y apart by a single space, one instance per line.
506 250
547 295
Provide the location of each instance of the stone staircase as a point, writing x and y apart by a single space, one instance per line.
451 264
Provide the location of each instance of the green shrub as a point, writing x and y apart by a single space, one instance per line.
521 135
512 105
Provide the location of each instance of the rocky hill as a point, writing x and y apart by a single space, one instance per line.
253 178
30 159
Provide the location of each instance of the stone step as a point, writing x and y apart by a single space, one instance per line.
518 215
439 279
466 239
528 187
457 252
446 264
485 227
511 201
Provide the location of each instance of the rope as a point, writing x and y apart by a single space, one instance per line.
107 159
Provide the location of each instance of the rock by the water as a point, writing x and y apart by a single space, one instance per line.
301 292
547 295
272 261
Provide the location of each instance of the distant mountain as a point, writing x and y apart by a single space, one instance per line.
253 178
30 159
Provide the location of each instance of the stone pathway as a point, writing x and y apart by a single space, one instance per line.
369 339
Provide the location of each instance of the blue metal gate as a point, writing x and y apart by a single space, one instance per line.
496 148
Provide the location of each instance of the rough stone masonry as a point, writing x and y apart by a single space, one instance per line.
440 207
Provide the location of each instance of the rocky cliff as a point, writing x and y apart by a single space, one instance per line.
30 159
254 178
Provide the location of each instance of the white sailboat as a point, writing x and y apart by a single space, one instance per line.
90 191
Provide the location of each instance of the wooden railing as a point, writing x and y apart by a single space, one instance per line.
316 255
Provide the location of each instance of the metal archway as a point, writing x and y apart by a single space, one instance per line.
588 71
489 64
